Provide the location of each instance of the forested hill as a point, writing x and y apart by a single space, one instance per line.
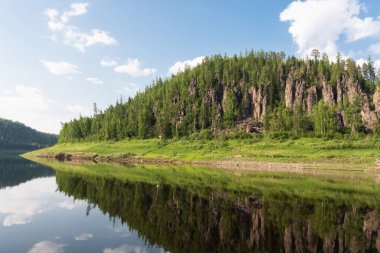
261 92
14 135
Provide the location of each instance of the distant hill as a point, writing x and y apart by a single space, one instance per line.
15 135
259 92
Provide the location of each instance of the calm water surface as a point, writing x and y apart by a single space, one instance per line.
47 210
37 217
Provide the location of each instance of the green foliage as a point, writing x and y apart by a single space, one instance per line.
223 92
324 120
14 135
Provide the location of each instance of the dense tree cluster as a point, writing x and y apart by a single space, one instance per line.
247 92
14 135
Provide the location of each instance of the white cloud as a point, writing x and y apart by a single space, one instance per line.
46 247
81 40
134 68
360 61
70 34
180 66
33 108
375 48
377 64
94 80
84 237
57 22
60 68
362 28
69 205
108 62
319 24
125 249
29 199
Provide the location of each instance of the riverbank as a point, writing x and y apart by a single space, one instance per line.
264 153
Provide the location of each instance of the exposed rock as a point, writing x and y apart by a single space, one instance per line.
327 93
312 98
298 96
289 90
339 94
376 99
256 103
329 243
288 239
193 88
339 120
369 117
247 105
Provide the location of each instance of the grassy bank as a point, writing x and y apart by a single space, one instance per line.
364 151
351 187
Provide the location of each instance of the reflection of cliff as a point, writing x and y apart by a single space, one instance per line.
16 171
183 221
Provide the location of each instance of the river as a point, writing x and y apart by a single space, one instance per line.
117 208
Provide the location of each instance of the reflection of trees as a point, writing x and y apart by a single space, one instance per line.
17 170
184 221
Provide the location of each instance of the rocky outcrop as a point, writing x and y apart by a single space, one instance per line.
259 103
289 91
376 99
327 93
312 98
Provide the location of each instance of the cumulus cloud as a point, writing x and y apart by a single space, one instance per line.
46 247
362 28
319 24
60 68
81 41
33 108
84 237
108 62
134 68
71 35
94 80
180 66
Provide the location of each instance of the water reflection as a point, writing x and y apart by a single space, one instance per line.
184 219
35 217
14 171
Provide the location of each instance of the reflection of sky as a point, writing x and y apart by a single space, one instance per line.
20 204
34 217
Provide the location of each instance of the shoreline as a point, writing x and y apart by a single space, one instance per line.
304 154
238 164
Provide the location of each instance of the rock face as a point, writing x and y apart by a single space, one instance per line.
376 99
296 92
312 98
327 93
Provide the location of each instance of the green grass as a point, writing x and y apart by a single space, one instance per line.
348 188
363 151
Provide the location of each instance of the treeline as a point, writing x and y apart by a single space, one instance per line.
256 92
15 135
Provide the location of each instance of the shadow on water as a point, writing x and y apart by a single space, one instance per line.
15 170
191 218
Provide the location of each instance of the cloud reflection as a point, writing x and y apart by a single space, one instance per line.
46 247
84 237
21 203
125 249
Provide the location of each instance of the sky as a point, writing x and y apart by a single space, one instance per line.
59 57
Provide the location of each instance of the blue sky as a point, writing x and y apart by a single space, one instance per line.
51 51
